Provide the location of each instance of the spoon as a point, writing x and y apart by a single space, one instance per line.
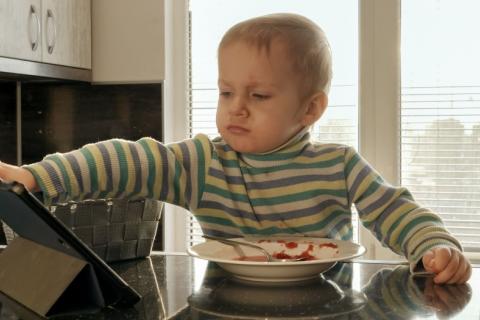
231 242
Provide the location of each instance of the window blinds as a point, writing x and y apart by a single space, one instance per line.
202 120
440 141
440 112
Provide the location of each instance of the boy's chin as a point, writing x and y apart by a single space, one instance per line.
248 144
242 147
249 148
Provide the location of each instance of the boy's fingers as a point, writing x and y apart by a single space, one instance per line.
461 270
428 256
2 172
427 260
467 275
450 264
442 257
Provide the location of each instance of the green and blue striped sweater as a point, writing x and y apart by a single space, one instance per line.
300 188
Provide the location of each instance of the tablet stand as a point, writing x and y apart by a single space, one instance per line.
47 281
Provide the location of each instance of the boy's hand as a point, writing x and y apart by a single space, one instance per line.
449 265
10 173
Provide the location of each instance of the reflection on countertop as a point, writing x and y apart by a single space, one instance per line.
180 287
229 298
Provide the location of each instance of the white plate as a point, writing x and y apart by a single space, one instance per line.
228 257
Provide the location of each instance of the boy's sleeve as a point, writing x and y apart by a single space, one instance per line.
391 213
117 168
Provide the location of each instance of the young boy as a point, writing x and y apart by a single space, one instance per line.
263 175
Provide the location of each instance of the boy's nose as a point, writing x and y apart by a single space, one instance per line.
238 107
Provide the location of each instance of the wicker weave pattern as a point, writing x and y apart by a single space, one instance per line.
115 229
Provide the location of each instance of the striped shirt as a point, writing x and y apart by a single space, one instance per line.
301 188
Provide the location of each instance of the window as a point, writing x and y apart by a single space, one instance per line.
340 22
440 112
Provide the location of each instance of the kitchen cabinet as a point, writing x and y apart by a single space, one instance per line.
50 31
20 29
66 32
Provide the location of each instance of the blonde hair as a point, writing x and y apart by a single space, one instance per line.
306 43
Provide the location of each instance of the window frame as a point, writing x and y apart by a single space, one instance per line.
176 103
379 99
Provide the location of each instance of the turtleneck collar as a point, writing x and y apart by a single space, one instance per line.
283 154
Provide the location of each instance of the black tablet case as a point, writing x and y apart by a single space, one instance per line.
47 252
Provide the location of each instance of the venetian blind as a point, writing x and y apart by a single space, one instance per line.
338 125
440 112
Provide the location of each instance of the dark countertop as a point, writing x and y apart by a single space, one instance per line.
180 287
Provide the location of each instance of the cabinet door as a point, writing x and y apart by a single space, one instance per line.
20 29
67 32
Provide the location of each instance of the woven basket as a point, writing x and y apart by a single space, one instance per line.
116 229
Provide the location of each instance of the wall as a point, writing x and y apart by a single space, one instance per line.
128 41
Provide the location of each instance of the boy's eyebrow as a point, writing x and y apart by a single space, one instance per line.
220 81
251 84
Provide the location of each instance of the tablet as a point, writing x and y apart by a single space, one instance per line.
30 219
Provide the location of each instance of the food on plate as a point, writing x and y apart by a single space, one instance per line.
283 249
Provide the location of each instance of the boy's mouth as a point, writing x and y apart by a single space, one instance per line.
237 129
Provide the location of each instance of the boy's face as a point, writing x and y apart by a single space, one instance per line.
259 107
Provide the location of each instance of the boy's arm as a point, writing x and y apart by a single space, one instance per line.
391 213
119 168
9 173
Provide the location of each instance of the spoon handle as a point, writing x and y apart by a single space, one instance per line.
241 243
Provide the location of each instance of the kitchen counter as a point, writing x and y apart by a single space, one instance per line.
180 287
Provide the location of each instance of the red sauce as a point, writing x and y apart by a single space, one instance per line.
328 245
304 254
264 241
282 255
291 245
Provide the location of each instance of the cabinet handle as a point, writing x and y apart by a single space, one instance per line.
51 44
34 16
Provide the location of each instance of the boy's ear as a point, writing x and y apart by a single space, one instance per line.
316 105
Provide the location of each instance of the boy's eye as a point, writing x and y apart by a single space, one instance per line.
225 93
260 96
